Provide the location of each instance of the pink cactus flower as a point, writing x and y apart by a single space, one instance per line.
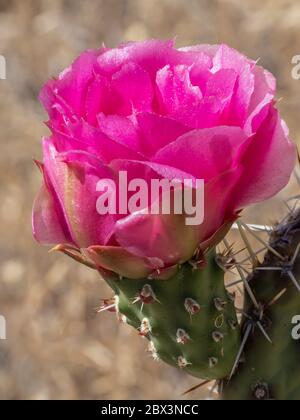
157 112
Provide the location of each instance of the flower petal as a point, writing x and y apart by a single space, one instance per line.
261 100
120 261
121 130
217 236
203 153
74 178
95 141
132 90
268 163
74 81
177 96
98 99
163 236
167 236
265 84
218 210
228 58
150 55
157 131
46 224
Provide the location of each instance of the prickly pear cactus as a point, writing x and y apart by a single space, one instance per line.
189 319
270 368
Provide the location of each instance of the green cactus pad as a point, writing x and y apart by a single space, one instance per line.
272 371
189 320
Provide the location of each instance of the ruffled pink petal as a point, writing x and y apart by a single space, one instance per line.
203 153
166 237
222 85
218 212
46 224
65 98
199 63
261 100
146 171
177 96
132 90
151 55
200 71
74 177
219 90
265 85
228 58
157 131
242 97
96 141
198 60
121 130
154 54
201 104
218 235
58 110
98 99
120 262
150 170
73 83
209 50
268 163
169 237
163 236
256 118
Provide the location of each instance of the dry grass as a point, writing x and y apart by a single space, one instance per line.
57 346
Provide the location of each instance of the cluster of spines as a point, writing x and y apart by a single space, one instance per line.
146 296
169 312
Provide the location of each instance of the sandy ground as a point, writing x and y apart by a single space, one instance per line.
57 347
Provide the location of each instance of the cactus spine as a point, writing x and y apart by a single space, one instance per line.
271 371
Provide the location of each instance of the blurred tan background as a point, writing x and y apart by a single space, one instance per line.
57 347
